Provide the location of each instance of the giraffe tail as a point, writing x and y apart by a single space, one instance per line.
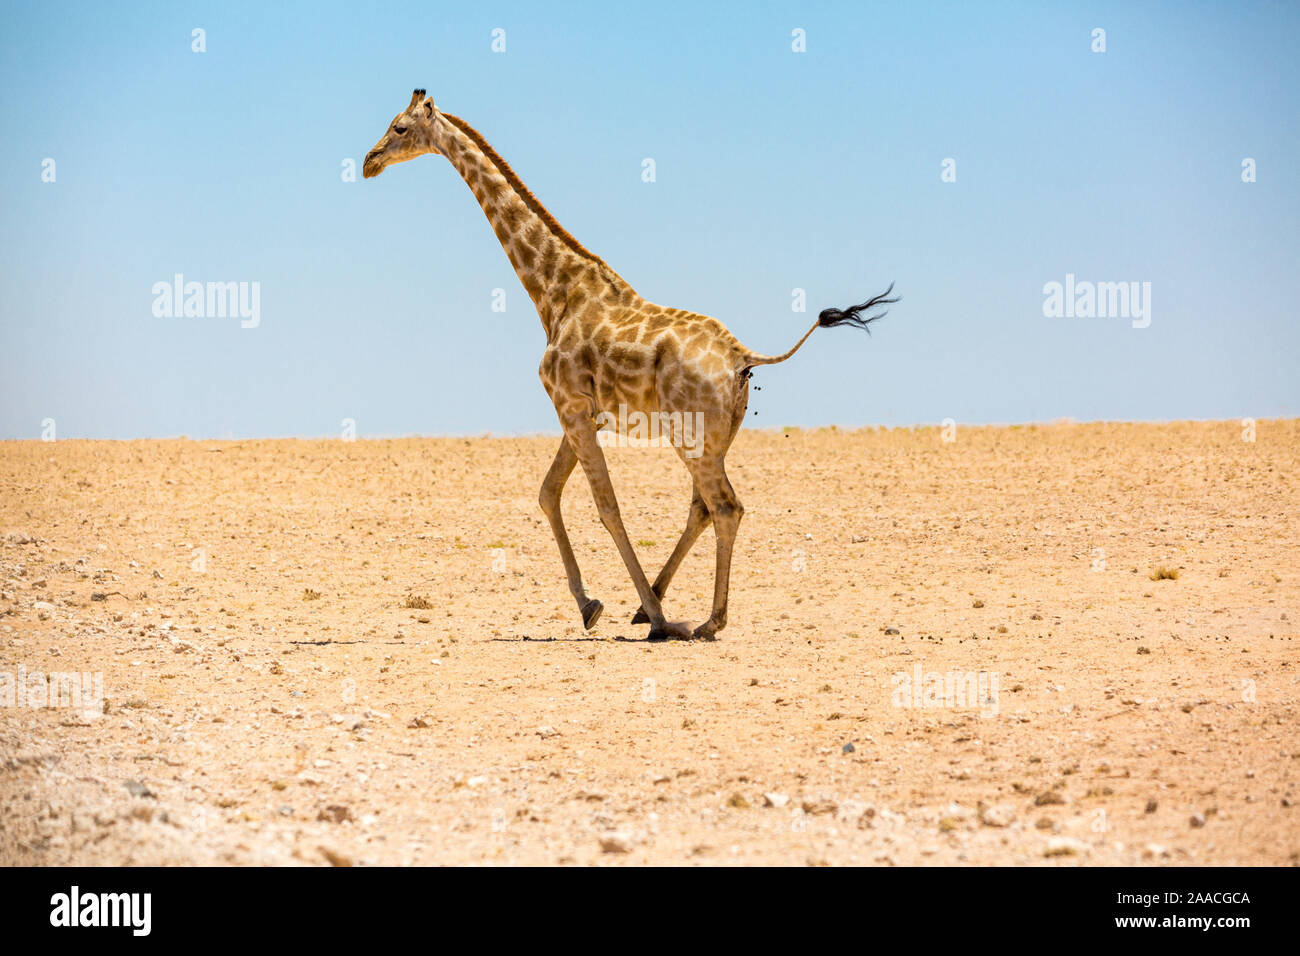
829 319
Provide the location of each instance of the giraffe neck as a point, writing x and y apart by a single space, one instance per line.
559 274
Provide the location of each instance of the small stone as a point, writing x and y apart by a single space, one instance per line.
777 800
335 813
1151 806
138 789
848 748
1065 846
1197 821
615 843
546 731
419 723
891 631
333 857
998 815
1048 798
819 805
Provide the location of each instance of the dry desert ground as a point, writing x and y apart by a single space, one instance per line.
939 652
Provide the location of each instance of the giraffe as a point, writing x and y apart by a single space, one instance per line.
609 349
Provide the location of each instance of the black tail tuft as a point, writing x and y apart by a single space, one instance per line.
830 318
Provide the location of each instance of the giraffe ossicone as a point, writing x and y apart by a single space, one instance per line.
611 357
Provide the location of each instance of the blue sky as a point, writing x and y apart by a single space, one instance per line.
775 170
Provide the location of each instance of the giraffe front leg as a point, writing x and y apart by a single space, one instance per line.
552 489
696 521
581 434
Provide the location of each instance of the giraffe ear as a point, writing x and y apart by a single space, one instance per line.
428 107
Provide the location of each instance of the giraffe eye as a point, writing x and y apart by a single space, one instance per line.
399 130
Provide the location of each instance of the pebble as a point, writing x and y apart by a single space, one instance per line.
1065 846
333 857
615 843
335 813
819 805
998 815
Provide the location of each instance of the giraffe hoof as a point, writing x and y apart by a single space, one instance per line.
591 613
640 617
705 632
670 631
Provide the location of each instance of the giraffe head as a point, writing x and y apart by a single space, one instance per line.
410 134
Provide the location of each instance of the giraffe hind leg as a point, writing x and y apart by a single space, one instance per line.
726 511
696 521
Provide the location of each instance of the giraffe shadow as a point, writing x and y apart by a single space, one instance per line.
619 639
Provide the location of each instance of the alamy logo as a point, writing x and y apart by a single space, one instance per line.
1098 300
683 430
78 690
954 690
179 299
103 909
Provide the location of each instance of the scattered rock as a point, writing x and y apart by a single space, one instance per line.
778 800
616 843
1065 846
998 815
819 805
419 723
138 789
1151 806
848 748
1197 821
1048 798
335 813
333 857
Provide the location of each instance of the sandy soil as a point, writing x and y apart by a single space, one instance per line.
1112 719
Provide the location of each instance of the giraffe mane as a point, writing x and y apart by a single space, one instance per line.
526 194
